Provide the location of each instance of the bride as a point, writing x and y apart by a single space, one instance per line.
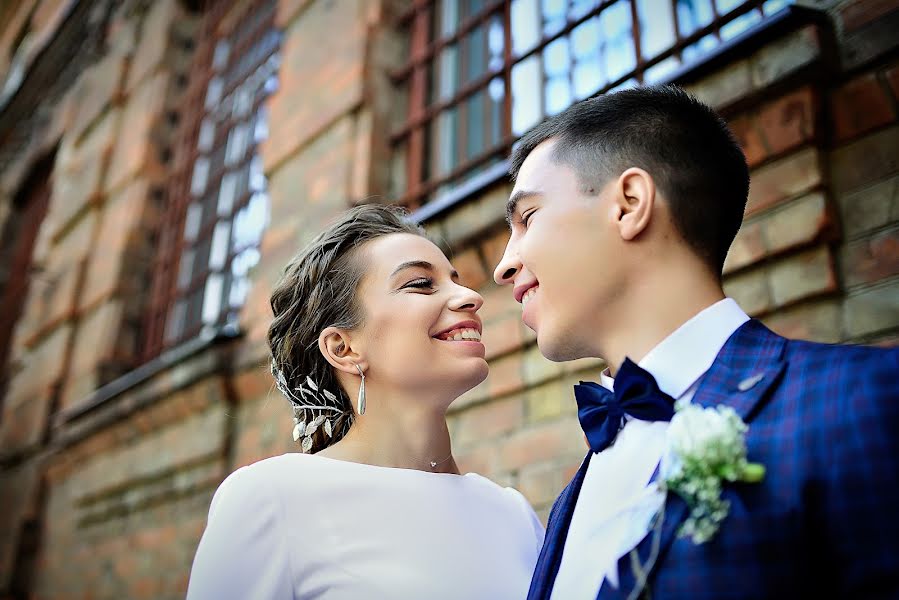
373 338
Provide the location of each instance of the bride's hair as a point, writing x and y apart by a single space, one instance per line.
318 290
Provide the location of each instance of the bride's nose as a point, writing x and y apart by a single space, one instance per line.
466 299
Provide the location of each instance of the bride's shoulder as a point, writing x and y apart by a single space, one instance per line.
267 473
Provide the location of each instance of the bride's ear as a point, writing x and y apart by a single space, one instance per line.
336 346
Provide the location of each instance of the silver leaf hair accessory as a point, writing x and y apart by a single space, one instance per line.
311 408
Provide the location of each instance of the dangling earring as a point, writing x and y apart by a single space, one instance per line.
360 403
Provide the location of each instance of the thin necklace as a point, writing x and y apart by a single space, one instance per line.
434 463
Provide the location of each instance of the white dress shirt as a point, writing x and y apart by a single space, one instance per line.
306 527
616 502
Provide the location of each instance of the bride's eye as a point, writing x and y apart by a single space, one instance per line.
424 283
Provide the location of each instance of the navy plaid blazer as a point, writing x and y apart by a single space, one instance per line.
824 523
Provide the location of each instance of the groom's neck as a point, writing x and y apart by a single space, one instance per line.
652 307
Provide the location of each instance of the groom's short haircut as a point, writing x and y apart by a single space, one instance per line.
688 149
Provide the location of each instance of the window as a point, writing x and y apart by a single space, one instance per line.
483 72
218 201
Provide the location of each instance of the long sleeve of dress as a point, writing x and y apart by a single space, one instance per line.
243 553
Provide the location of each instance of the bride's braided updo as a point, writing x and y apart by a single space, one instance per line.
317 291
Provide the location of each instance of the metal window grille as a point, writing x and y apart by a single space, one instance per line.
483 72
218 204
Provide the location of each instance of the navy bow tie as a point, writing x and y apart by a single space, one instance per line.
601 412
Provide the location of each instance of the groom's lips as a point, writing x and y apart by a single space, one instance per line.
521 289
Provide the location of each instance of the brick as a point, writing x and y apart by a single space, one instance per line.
818 321
493 249
479 460
503 336
808 274
541 484
487 422
100 87
865 161
135 153
78 182
18 495
27 400
155 40
860 106
287 11
253 384
801 222
792 175
550 401
505 375
361 184
724 87
499 303
542 443
892 77
747 133
471 270
310 188
123 252
785 56
859 13
313 59
872 311
871 208
476 216
536 368
788 122
105 345
748 247
751 289
871 259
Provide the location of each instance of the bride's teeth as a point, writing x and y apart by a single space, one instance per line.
457 336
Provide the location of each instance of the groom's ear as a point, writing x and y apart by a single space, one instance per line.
635 196
336 345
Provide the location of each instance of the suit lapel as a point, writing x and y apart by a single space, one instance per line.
743 373
556 534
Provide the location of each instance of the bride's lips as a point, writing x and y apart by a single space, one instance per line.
474 344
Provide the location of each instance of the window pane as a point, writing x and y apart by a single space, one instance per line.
617 33
192 221
474 48
443 142
525 26
553 16
693 14
660 70
656 26
739 25
250 222
475 142
207 135
526 94
219 251
446 72
447 17
587 77
579 8
212 298
556 62
201 174
772 6
703 46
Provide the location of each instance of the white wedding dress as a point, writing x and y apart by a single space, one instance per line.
307 527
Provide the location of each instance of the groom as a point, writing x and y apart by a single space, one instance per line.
623 210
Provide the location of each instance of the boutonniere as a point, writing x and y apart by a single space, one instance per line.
705 448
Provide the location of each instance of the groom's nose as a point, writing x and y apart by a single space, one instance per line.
508 266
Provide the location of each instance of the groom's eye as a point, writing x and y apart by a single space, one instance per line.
526 218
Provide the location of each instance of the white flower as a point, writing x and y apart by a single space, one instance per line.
704 447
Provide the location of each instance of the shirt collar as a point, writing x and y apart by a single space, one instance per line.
679 360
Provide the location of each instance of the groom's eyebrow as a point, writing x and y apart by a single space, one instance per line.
514 200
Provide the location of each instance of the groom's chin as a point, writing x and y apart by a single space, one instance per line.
555 349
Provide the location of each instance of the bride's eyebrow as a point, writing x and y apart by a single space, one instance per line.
421 264
413 264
